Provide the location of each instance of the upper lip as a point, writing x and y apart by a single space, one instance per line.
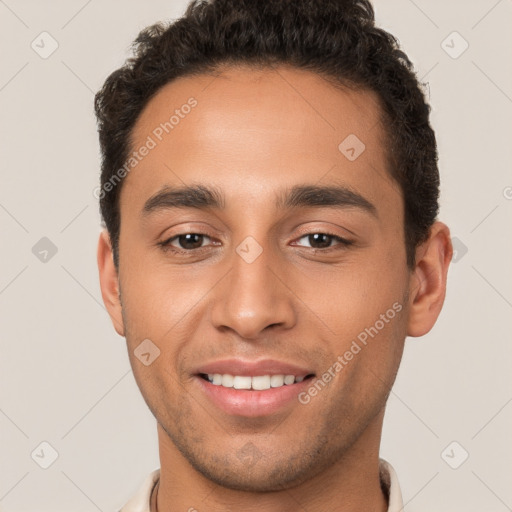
252 368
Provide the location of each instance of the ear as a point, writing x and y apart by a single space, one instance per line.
109 282
427 288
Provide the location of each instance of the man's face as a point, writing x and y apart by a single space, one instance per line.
263 285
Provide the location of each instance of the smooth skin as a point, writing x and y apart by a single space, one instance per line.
255 134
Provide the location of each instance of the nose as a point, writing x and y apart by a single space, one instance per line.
252 297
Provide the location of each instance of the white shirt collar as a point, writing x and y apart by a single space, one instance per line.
140 502
390 481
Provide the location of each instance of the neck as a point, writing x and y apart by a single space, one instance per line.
350 485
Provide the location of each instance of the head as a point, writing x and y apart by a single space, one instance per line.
270 190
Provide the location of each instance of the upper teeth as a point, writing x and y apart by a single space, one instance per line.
259 382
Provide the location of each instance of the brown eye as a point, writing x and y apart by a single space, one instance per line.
320 240
186 241
323 240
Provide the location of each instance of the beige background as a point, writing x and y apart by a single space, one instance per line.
64 373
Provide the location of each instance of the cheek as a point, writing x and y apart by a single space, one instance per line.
165 306
365 311
349 298
156 296
366 362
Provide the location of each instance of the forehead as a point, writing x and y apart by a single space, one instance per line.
251 130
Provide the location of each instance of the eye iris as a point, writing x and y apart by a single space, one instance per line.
191 241
316 239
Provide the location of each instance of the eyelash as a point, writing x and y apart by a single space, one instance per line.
342 243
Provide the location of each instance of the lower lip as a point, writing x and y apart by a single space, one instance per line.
242 402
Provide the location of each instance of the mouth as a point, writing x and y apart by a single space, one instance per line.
254 383
252 389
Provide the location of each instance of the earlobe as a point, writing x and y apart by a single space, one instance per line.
428 281
109 282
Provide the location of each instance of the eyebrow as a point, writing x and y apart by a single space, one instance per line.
340 197
300 196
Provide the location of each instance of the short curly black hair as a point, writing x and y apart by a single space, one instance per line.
336 39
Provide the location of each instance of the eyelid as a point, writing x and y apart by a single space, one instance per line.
337 232
343 242
166 243
175 238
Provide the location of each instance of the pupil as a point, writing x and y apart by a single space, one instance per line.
187 241
315 239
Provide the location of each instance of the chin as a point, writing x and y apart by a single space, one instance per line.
263 479
259 468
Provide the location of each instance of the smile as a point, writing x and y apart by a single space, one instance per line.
256 383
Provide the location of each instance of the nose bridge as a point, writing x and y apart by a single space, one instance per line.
252 297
